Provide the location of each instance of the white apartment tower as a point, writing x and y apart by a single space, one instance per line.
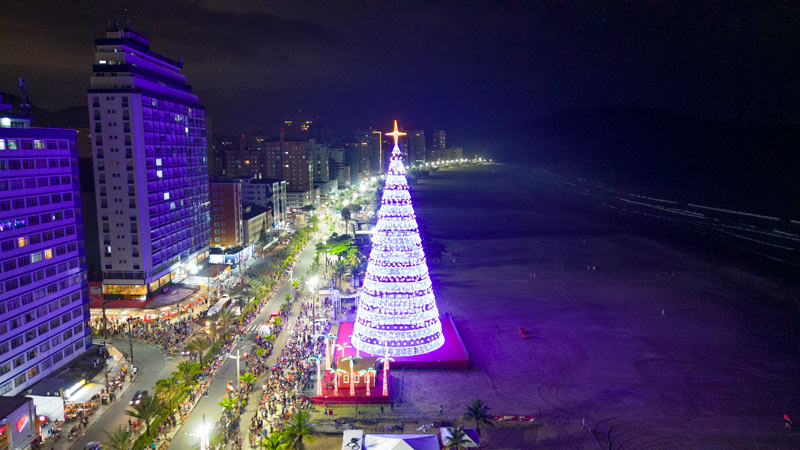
150 167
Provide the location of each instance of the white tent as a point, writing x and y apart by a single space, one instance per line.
353 439
401 442
472 437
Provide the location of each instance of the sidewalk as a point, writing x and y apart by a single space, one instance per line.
63 442
277 349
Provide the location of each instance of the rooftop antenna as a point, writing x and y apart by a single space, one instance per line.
24 88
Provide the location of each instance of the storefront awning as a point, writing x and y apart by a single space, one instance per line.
85 393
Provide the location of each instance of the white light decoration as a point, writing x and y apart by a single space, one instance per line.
397 313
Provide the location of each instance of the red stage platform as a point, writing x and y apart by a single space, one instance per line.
452 355
328 396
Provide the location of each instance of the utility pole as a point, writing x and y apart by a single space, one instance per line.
130 337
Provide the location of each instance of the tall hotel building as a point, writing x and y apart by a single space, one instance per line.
43 289
151 168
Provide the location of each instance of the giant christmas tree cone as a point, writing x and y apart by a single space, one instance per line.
397 311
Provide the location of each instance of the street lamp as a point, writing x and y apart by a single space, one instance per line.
130 337
312 285
203 433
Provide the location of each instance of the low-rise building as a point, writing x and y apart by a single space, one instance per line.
256 220
269 194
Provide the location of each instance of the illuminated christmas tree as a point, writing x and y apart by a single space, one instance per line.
397 314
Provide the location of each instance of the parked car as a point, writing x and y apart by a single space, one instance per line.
94 445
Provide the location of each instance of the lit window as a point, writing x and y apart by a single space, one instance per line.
38 144
166 195
22 241
2 144
48 253
36 257
159 174
158 162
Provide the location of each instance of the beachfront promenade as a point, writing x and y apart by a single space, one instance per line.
208 407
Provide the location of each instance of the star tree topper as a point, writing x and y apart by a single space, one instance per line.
396 133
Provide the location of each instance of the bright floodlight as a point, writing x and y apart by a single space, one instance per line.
312 282
397 313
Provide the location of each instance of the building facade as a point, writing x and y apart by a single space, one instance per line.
290 161
438 147
257 220
43 287
416 147
268 194
151 170
226 214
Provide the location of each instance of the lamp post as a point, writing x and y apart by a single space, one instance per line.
312 285
105 322
130 337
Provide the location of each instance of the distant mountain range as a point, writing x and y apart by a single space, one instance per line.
664 153
72 117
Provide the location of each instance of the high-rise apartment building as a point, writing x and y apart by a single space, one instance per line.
321 165
439 145
43 287
224 146
151 170
226 213
336 167
290 161
298 127
246 161
416 147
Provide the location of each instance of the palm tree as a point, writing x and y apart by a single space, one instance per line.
346 217
340 269
168 390
118 440
188 371
297 429
367 372
478 412
458 439
260 352
226 318
275 441
352 381
228 404
248 378
336 373
197 345
145 411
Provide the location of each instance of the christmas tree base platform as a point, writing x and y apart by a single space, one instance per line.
452 355
329 396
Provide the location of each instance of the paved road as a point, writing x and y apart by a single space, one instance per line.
153 366
208 406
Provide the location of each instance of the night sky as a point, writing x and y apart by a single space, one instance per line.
462 66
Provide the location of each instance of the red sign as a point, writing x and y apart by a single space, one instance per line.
21 422
3 429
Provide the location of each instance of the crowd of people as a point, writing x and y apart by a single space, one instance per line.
168 334
287 381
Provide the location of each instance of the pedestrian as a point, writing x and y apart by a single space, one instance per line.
787 422
441 409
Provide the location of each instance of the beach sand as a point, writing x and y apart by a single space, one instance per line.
636 333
